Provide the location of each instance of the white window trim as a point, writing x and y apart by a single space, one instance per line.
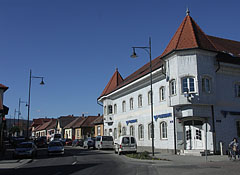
161 133
141 101
139 138
175 87
160 93
188 84
131 103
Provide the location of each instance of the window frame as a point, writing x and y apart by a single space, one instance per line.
188 83
132 131
149 97
162 93
204 87
109 109
163 130
150 131
115 108
172 87
140 100
141 132
131 103
123 106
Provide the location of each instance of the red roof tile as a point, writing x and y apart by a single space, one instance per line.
52 124
113 83
88 122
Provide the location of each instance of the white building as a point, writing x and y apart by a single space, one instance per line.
196 95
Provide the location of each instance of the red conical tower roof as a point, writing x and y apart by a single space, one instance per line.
113 83
189 35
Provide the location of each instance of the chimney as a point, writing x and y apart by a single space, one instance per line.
82 115
98 114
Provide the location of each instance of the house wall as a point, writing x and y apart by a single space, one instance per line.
78 133
96 130
68 133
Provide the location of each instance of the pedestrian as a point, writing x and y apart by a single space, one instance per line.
233 148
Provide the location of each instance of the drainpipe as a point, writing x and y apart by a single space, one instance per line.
174 130
213 130
218 68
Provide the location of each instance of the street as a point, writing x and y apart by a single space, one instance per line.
82 161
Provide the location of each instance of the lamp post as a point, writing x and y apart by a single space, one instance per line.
148 49
29 95
19 104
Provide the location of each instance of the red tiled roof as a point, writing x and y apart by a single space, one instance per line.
74 122
99 120
43 126
188 36
113 83
52 124
88 122
79 122
39 121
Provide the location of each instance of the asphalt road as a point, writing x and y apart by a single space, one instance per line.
93 162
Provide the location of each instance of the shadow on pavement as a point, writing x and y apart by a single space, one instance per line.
48 170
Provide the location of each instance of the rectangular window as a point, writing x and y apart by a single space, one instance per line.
110 109
172 87
162 93
140 101
188 85
99 130
206 85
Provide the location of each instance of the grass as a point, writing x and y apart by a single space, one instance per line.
144 156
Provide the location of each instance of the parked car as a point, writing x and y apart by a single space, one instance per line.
68 142
77 142
126 144
41 142
104 142
55 147
89 143
28 149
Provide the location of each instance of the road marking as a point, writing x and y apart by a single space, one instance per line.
74 163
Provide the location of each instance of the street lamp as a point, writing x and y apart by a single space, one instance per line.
148 49
19 104
29 95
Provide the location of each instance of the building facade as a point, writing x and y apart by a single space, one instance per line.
196 95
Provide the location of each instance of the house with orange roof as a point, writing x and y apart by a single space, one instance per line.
36 124
196 95
98 125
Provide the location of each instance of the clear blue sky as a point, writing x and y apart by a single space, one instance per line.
77 45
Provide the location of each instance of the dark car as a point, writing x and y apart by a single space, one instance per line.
41 142
77 142
17 140
25 149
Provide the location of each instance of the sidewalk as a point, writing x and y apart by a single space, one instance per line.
192 160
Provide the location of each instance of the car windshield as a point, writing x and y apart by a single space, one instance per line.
55 144
24 145
125 140
107 138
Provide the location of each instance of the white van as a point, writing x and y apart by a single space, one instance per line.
104 142
125 144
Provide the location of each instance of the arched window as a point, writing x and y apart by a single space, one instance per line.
132 131
110 132
131 103
206 84
150 133
172 87
115 108
140 132
110 109
149 97
123 106
140 101
115 133
124 131
162 93
188 84
163 130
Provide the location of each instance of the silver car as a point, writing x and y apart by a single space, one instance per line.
25 149
55 147
126 144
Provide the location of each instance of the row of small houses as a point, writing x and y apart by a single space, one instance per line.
71 127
